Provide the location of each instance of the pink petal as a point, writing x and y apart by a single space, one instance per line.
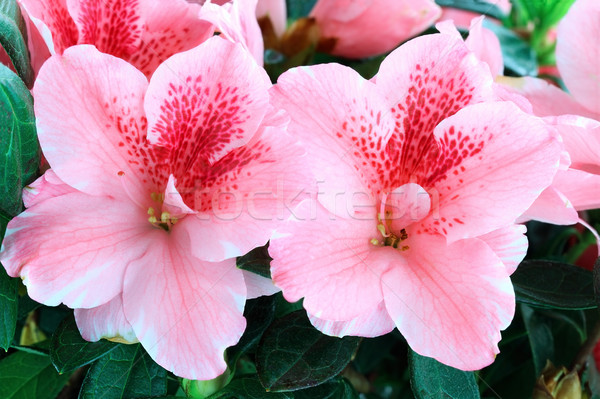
407 204
371 324
75 248
258 285
450 302
486 46
90 103
113 26
581 137
341 119
276 10
484 149
581 188
45 187
105 321
329 261
169 29
237 23
38 49
509 243
389 22
184 311
426 80
551 206
54 23
577 56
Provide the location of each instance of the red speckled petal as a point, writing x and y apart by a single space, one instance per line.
105 321
450 302
329 261
202 104
243 197
373 323
494 161
509 243
54 22
91 124
184 311
113 26
427 80
75 248
169 29
343 122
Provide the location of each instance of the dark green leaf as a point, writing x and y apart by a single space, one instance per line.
299 8
596 275
548 284
476 6
248 388
337 389
256 261
293 355
431 379
540 338
68 351
518 56
259 314
29 376
9 291
125 372
19 149
12 33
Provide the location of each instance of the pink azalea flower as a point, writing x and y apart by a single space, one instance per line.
154 189
422 177
364 28
144 32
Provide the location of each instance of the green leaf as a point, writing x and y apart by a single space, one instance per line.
9 304
256 261
337 389
596 276
518 56
540 338
248 388
431 379
29 376
12 38
259 314
19 149
299 8
293 355
125 372
476 6
548 284
68 351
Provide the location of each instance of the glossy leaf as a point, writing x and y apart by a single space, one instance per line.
248 388
548 284
476 6
19 149
518 55
29 376
293 355
431 379
12 33
125 372
299 8
596 275
68 351
540 338
8 308
338 389
256 261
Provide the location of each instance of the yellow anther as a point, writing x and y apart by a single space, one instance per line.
152 220
151 211
165 217
381 229
374 241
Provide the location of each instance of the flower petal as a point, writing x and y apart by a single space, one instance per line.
54 23
450 302
509 243
258 285
330 261
371 324
46 186
576 56
184 311
341 119
551 206
91 124
494 161
74 248
105 321
581 188
486 46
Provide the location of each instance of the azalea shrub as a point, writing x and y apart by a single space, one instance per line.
299 199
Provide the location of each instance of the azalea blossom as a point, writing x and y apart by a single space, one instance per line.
155 188
423 174
144 32
364 28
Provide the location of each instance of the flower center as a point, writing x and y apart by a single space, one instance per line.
390 239
164 220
